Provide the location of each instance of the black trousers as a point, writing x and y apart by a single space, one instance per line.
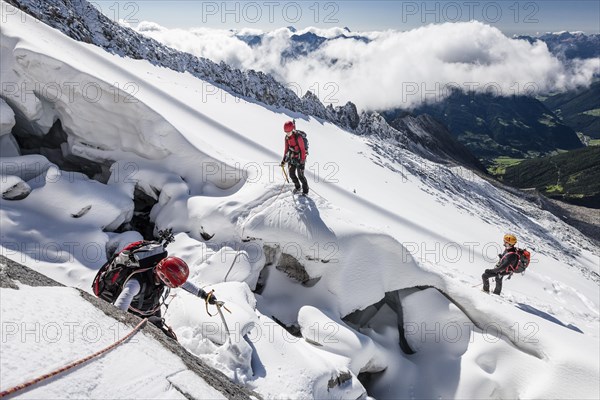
493 273
298 168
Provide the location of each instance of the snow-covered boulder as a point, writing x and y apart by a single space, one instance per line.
9 146
29 167
118 241
333 336
429 311
7 118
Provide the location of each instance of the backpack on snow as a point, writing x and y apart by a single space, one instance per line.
524 259
135 258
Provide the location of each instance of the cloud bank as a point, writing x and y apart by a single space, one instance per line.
389 69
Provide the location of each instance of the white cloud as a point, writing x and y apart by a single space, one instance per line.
394 68
146 26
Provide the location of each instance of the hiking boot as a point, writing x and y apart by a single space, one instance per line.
296 191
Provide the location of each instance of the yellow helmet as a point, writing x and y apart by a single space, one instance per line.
510 239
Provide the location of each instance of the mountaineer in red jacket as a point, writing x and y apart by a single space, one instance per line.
295 155
138 279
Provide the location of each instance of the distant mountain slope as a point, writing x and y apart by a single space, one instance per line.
579 110
434 135
573 176
492 126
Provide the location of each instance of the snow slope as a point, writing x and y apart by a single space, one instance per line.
44 328
379 219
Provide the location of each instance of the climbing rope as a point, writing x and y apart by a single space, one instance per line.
74 364
317 193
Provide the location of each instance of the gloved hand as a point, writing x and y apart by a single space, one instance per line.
283 163
155 320
509 276
500 256
212 299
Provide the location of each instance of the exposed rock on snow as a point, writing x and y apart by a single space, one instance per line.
13 187
339 380
82 212
288 264
292 268
13 273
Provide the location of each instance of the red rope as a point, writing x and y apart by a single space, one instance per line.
73 364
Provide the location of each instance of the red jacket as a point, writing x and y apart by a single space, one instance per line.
295 145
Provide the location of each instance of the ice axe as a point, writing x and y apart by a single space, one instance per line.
219 305
284 173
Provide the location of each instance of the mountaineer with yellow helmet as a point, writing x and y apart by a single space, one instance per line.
509 262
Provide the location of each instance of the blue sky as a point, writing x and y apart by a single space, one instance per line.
510 16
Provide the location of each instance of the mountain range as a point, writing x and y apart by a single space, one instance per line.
569 45
565 45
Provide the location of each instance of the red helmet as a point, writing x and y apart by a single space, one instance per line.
289 126
172 271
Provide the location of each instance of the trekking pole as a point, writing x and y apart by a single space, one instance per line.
479 284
